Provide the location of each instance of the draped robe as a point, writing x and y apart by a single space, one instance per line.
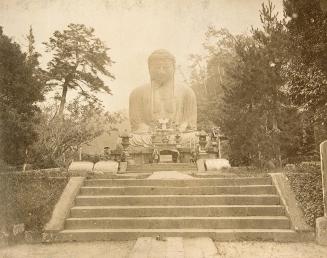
177 103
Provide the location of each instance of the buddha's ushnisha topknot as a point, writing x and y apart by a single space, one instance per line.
161 54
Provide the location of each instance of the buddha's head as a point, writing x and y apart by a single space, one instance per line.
161 66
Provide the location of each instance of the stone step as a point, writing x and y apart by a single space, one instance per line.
169 182
177 211
278 235
167 167
132 200
254 222
168 164
164 164
148 170
157 190
162 167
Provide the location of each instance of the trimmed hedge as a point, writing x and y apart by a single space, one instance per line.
28 198
307 185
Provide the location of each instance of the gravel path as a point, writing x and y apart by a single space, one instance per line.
69 250
270 250
124 249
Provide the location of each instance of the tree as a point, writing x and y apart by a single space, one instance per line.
209 75
31 55
19 92
59 139
32 60
79 60
244 114
254 113
272 39
307 29
306 71
198 81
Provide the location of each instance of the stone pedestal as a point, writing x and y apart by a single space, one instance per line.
122 167
321 230
80 168
323 158
200 165
203 155
321 223
130 161
106 167
217 164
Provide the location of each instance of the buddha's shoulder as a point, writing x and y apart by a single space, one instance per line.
140 90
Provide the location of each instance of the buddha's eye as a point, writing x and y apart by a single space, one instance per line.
163 65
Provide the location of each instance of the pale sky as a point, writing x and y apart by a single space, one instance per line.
132 29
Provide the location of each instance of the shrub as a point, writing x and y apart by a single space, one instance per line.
28 198
91 157
307 186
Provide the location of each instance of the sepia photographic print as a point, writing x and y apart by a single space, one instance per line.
163 129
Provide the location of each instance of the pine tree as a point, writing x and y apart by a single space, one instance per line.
255 107
19 92
79 60
306 71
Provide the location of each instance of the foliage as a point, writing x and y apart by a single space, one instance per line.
306 184
307 29
240 84
59 139
4 167
256 114
32 59
267 90
79 60
19 91
306 70
28 198
209 74
199 85
94 158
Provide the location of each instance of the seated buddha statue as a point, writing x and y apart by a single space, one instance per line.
161 99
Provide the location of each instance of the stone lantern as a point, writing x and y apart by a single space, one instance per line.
178 138
125 136
202 140
213 138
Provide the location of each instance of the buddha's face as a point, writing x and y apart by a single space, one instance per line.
161 70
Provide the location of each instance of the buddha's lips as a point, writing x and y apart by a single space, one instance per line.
160 80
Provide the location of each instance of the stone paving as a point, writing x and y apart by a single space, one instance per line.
174 247
170 247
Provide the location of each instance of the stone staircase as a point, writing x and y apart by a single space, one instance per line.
224 209
151 167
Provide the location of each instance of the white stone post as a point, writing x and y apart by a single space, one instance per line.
80 154
219 147
321 223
